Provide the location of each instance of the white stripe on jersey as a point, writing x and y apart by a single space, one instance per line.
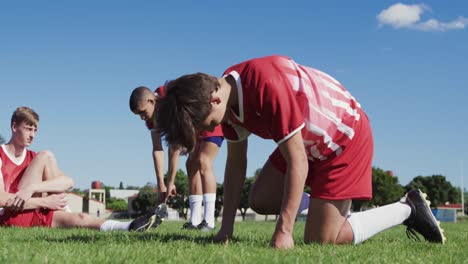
299 84
337 89
342 104
326 137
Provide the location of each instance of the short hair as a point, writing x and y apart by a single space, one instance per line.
185 105
25 115
138 95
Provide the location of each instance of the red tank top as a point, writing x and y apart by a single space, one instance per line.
11 171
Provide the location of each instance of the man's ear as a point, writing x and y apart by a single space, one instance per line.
151 101
13 126
215 100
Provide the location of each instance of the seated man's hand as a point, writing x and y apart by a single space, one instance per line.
25 193
56 201
15 204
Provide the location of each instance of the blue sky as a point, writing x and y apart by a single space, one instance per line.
76 64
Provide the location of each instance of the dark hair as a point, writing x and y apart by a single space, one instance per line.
138 95
185 105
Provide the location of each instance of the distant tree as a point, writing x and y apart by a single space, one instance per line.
181 183
116 204
2 140
107 189
219 200
131 187
385 189
145 200
77 191
438 189
257 172
121 186
244 199
180 201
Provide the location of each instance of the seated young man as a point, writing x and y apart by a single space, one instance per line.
202 181
324 140
25 176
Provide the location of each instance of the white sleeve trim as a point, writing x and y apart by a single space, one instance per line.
291 134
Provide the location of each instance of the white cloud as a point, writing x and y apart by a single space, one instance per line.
409 16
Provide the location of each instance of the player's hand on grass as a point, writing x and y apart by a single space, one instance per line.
223 236
55 201
282 240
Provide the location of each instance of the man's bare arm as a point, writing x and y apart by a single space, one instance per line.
234 177
158 160
294 153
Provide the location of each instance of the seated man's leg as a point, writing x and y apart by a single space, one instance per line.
43 167
63 219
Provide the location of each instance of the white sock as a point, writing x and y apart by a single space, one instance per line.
305 200
209 200
368 223
195 209
110 225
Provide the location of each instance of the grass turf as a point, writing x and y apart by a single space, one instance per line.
168 243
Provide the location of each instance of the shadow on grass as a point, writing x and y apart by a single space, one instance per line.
128 237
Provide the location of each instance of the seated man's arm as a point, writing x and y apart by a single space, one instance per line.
11 202
56 185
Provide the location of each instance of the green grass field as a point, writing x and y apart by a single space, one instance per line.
168 243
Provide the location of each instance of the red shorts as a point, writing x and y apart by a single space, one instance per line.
346 176
28 218
217 132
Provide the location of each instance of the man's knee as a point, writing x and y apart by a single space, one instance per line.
46 154
80 219
204 162
256 203
192 165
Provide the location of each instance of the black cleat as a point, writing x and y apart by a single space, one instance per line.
161 213
203 226
189 226
421 219
143 223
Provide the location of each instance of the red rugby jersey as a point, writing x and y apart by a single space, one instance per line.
12 172
278 97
